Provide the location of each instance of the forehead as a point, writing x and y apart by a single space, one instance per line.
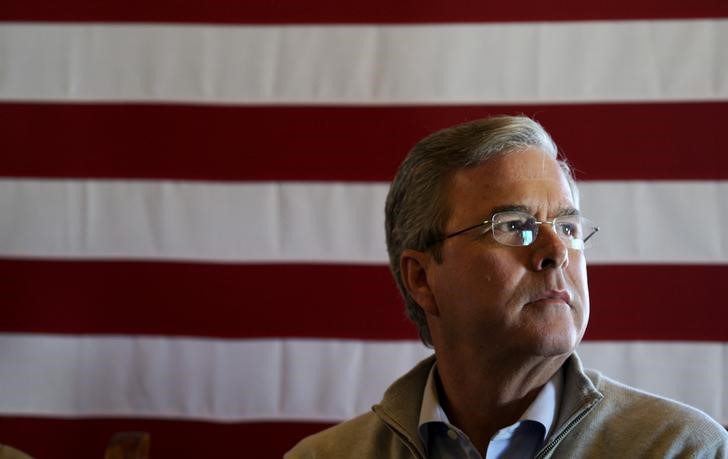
530 178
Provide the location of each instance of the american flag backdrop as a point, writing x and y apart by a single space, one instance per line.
191 202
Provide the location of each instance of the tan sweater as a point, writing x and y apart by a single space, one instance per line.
598 418
7 452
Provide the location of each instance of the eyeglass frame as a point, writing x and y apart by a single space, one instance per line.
595 229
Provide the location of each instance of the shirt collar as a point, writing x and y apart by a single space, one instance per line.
431 410
543 409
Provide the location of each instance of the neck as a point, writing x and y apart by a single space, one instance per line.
482 399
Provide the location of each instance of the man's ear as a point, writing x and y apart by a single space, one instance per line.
413 266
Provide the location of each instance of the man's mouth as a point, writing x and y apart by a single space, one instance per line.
549 296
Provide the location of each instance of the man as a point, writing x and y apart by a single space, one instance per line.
486 241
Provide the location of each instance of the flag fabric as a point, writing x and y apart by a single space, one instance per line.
191 202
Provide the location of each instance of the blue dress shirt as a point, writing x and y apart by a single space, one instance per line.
522 439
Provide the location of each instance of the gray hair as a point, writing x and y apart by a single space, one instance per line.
417 210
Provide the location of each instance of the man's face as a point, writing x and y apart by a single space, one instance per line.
530 300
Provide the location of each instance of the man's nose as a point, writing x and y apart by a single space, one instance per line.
549 250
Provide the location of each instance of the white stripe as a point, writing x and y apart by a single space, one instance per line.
247 380
658 222
464 63
196 221
641 222
197 378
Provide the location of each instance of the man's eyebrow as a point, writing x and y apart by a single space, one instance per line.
509 208
568 211
522 208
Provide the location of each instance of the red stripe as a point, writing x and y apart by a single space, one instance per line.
332 11
609 141
87 438
336 301
203 299
658 302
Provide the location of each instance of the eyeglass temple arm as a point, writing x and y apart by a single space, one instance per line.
596 229
465 230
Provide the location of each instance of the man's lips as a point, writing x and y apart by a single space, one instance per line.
552 296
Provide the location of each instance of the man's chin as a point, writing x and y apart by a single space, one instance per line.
557 344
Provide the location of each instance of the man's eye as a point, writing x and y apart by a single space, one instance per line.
569 229
512 226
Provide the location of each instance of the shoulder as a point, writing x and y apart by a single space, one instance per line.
639 417
353 438
390 430
6 452
654 408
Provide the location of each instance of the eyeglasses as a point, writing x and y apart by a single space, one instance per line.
517 229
